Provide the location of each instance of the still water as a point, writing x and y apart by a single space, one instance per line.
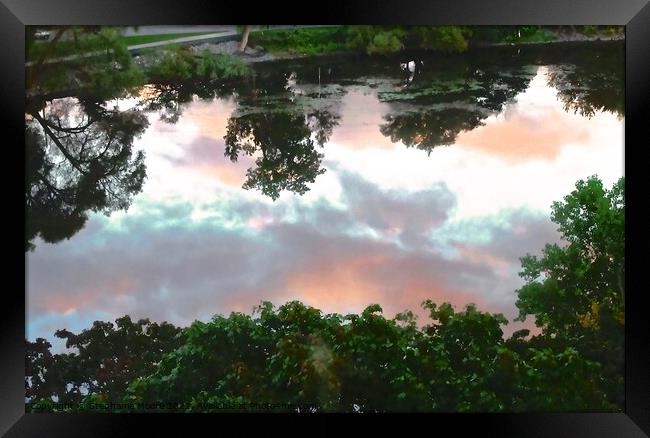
337 181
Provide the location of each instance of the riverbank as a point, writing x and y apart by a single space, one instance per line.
201 59
276 44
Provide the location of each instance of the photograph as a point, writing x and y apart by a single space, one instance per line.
325 218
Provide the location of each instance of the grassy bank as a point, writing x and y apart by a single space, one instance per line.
390 39
63 48
303 41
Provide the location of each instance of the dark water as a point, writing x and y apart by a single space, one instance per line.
290 108
314 179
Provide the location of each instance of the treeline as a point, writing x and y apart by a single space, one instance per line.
391 39
295 355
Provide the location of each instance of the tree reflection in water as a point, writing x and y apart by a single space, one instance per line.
281 122
591 83
79 158
80 152
288 160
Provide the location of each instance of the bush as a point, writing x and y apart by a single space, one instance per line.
589 30
211 66
444 38
375 39
310 41
390 39
178 64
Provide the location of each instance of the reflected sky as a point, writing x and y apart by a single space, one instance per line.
385 223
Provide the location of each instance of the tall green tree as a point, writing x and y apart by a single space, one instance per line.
576 291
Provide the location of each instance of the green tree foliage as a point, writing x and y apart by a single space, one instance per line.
375 39
591 30
180 64
297 356
492 34
177 76
428 129
390 39
107 358
300 41
443 38
39 362
90 59
577 291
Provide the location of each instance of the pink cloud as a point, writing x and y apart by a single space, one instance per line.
183 272
360 129
517 138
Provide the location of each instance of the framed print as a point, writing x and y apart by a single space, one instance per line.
415 208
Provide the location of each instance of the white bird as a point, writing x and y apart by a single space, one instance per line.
291 81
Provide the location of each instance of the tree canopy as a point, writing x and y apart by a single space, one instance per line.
107 359
576 292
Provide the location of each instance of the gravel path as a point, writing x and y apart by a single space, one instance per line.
251 54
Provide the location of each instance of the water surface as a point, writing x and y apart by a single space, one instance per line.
340 182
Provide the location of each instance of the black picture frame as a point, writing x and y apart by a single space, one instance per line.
634 14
